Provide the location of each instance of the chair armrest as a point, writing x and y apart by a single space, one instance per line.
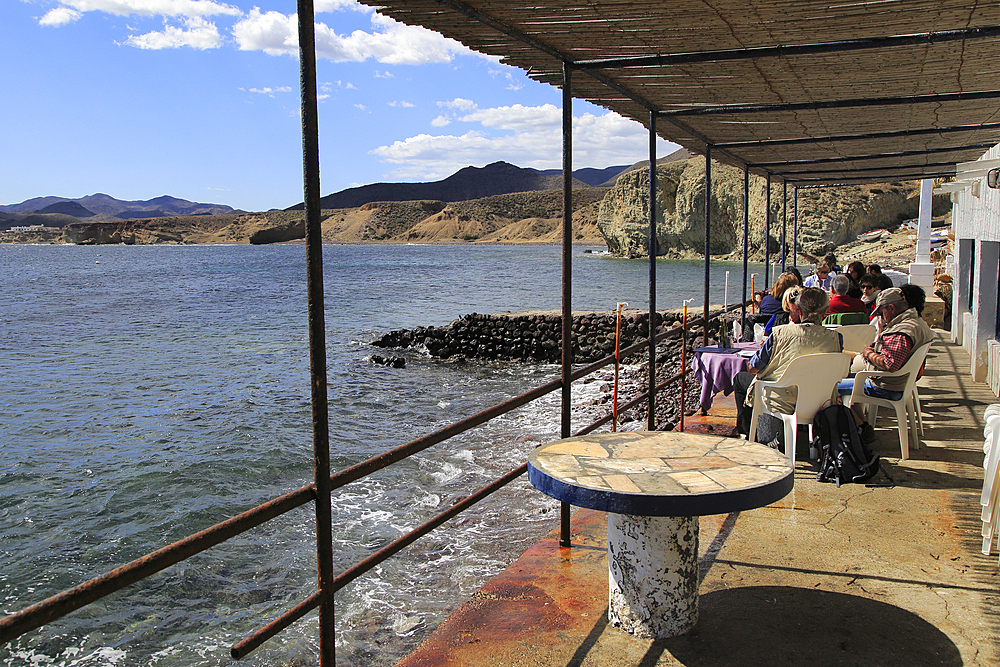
859 383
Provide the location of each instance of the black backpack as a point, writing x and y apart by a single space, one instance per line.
843 457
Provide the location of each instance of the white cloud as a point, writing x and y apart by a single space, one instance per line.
273 33
173 8
196 33
59 16
361 106
525 136
334 5
389 42
400 103
383 75
269 91
458 103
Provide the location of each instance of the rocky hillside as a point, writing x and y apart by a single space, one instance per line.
468 183
828 217
105 207
523 217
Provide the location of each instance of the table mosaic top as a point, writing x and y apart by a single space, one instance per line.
661 473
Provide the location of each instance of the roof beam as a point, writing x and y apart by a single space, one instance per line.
867 179
872 156
809 172
835 104
921 39
859 137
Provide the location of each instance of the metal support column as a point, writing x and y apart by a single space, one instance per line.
653 249
795 226
767 234
784 223
317 330
746 243
708 236
567 277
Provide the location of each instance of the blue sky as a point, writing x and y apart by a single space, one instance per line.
199 100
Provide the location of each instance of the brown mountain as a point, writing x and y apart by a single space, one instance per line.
469 183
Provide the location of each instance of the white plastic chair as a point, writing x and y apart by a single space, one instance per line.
904 407
991 484
816 377
856 336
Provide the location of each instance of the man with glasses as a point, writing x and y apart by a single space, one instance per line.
822 278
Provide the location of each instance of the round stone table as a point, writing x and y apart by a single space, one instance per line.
654 486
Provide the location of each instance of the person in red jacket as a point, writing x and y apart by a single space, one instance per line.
839 301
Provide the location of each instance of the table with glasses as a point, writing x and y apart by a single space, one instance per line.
654 486
715 368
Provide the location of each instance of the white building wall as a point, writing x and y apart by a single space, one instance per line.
976 226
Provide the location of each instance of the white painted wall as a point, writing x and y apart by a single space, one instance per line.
976 226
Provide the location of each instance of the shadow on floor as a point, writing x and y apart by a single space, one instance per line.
778 625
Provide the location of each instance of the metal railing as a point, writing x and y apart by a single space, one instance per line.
61 604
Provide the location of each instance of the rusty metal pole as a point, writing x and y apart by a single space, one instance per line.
317 331
653 249
795 227
767 234
784 223
567 277
746 242
708 237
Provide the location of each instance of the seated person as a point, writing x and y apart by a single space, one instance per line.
771 303
901 332
855 271
884 281
805 335
821 278
840 302
831 260
915 296
783 316
869 292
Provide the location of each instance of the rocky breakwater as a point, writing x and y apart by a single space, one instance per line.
536 338
533 337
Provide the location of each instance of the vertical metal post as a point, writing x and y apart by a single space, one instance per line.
784 222
653 249
746 242
795 227
567 277
708 237
767 234
317 330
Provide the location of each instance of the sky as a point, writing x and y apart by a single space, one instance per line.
199 99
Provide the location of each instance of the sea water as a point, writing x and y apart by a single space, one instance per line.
149 392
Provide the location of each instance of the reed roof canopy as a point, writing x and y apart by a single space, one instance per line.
814 93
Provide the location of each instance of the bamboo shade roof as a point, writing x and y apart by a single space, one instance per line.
860 91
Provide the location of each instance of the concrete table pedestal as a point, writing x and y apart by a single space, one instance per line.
654 486
653 574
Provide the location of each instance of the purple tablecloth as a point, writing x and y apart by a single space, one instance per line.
715 371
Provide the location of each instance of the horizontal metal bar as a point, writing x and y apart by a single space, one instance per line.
630 404
63 603
721 55
873 156
857 137
742 109
803 183
928 165
375 463
347 576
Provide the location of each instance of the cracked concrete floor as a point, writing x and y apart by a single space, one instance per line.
826 576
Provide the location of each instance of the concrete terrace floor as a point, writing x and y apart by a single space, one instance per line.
826 576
